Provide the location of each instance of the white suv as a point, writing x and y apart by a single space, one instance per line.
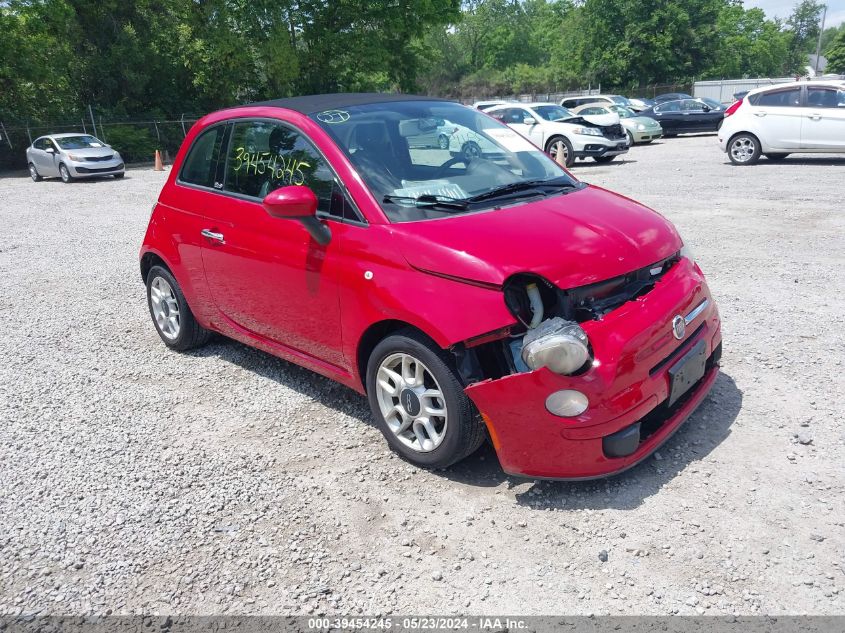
556 130
777 120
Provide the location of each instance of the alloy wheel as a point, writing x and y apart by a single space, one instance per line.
165 308
559 146
742 149
411 402
33 172
64 173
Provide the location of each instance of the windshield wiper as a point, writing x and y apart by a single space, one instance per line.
528 186
430 201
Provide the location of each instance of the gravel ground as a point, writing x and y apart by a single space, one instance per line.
138 480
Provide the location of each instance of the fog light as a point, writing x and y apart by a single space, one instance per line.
567 403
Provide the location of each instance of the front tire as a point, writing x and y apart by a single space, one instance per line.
744 149
64 172
172 317
443 141
33 173
559 144
471 150
630 138
119 176
419 403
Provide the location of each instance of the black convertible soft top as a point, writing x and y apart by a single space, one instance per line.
311 104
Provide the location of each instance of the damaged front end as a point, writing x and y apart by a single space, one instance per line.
548 328
581 385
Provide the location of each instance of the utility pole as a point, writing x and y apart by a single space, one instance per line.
819 44
94 125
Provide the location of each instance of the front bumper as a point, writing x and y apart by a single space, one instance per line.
627 385
88 169
648 134
602 147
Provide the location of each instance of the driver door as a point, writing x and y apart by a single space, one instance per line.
515 118
268 275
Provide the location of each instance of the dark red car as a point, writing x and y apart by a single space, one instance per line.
467 296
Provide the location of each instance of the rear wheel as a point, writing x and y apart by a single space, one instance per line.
603 159
419 403
471 150
64 172
443 141
33 173
561 145
173 319
776 156
744 149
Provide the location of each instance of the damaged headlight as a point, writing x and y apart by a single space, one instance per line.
588 131
560 345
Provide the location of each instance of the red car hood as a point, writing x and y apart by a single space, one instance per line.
572 240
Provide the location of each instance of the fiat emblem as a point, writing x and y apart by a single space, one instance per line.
679 327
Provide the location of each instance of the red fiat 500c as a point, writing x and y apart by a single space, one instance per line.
426 255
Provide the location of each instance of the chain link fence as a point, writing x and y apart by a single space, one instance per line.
137 139
649 91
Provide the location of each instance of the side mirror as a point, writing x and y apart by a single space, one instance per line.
705 107
297 202
50 150
529 120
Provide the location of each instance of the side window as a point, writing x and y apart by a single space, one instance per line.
39 144
825 98
203 166
265 156
691 105
790 98
669 106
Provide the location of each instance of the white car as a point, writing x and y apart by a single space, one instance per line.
776 121
486 105
555 129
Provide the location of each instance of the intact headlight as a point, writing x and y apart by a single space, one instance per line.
640 126
588 131
560 345
74 157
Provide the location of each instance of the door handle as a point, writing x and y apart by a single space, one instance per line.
212 235
759 114
815 116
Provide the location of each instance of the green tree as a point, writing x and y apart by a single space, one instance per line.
804 24
836 54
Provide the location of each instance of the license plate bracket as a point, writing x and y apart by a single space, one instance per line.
687 371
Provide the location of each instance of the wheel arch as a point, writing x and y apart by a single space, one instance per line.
150 259
373 335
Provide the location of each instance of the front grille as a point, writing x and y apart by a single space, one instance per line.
613 131
98 170
595 300
96 159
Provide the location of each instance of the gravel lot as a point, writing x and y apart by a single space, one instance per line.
138 480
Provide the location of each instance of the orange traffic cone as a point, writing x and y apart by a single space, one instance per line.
158 166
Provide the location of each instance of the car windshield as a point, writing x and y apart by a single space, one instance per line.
619 99
622 111
82 141
431 159
553 112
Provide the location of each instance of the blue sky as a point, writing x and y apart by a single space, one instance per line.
782 9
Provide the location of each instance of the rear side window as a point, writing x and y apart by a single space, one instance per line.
204 166
790 98
669 106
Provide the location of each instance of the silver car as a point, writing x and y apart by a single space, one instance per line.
72 156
